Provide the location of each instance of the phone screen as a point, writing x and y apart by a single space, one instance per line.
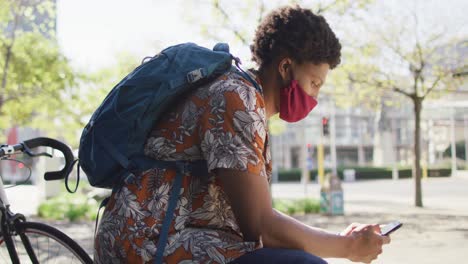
389 228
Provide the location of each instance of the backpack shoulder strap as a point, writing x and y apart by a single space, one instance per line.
177 185
246 75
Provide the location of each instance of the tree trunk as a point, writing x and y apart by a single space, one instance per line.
5 75
9 51
417 150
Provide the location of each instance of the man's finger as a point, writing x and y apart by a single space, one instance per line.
361 227
386 239
376 228
349 229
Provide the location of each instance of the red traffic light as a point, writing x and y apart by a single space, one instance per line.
324 121
325 126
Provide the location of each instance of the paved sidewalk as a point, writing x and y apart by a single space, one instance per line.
424 238
437 233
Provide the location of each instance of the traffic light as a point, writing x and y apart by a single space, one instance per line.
309 148
325 126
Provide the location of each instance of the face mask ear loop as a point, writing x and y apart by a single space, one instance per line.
284 82
291 75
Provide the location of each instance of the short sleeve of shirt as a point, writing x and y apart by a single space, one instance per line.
233 127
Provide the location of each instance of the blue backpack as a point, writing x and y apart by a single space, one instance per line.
112 143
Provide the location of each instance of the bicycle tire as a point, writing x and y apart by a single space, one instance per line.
66 249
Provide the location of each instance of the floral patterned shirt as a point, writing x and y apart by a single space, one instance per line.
223 123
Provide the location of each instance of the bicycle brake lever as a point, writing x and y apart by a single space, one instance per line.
31 154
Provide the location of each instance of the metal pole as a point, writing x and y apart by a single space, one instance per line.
431 147
303 155
276 158
453 147
361 154
320 165
333 138
465 128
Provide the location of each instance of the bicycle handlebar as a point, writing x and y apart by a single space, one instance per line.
45 142
10 149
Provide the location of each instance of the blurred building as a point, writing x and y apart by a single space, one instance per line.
358 131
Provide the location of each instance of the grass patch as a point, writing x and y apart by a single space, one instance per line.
68 206
301 206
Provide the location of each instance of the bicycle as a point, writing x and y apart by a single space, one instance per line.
32 242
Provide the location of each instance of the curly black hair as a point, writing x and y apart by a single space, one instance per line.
297 33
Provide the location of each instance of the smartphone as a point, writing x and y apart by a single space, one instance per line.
390 228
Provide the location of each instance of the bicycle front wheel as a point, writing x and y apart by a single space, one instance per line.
49 245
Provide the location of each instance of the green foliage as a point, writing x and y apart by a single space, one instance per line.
310 206
338 7
276 126
68 206
290 207
81 103
34 74
41 90
37 75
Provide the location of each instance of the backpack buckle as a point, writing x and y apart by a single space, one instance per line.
237 61
196 75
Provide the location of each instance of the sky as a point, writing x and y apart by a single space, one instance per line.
92 33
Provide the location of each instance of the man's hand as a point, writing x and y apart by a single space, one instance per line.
366 242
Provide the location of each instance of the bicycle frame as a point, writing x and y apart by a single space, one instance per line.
8 229
15 224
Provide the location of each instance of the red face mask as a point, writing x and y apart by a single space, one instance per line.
295 104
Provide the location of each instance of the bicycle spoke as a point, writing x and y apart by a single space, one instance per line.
46 247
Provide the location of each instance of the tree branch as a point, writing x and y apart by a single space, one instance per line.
420 54
226 17
432 87
398 90
382 86
321 9
3 42
262 11
8 55
400 54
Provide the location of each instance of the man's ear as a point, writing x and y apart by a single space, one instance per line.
284 69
